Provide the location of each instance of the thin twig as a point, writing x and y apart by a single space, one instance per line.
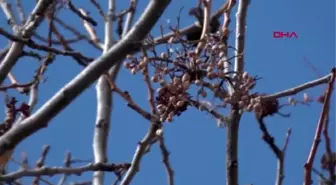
322 178
33 92
89 28
94 43
40 162
65 45
279 153
210 110
126 96
81 15
31 54
130 16
22 88
143 147
148 83
280 169
17 86
100 10
7 9
206 24
21 11
30 43
188 29
56 42
67 163
165 159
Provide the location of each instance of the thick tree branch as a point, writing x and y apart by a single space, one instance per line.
104 93
232 133
235 115
104 103
240 35
75 87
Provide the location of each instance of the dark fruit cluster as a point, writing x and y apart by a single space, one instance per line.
267 107
172 99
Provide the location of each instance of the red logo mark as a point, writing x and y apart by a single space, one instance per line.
280 34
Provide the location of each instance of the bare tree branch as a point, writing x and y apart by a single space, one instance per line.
143 146
21 11
279 153
30 43
41 162
206 25
185 74
165 160
50 171
235 114
317 138
82 81
98 7
330 162
188 29
26 32
7 9
104 103
299 88
67 163
81 15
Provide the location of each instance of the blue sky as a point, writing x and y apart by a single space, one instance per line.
197 146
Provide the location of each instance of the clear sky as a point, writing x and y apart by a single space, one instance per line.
197 146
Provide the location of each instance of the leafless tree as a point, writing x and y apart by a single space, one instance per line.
203 61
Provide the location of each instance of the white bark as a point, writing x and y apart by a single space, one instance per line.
89 75
26 31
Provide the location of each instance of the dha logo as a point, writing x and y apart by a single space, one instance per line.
280 35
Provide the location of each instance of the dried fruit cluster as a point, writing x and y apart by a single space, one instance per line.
178 69
172 100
